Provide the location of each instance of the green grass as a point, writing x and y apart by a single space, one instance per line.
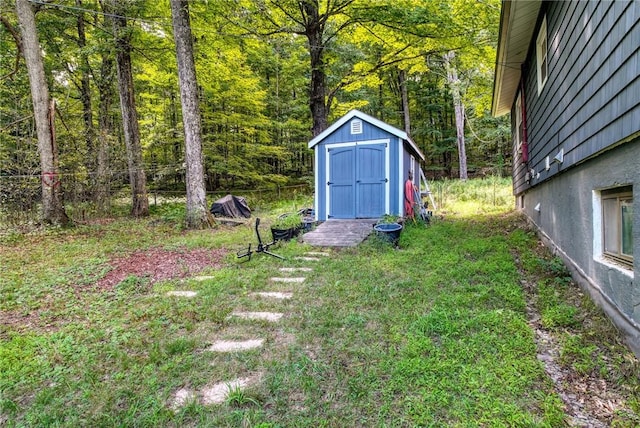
433 333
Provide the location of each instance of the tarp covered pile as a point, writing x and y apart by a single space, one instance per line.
231 206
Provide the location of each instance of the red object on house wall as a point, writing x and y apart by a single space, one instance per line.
525 152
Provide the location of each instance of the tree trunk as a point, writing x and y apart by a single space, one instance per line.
104 82
317 91
402 81
458 107
105 124
462 152
85 96
53 211
196 193
137 178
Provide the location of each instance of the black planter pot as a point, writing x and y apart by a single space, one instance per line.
390 232
282 234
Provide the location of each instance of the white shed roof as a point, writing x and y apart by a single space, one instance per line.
370 119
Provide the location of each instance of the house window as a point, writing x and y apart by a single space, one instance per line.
521 150
617 224
541 55
356 126
518 133
413 166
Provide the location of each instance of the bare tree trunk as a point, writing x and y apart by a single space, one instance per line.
196 193
137 178
462 151
402 81
52 206
458 107
314 29
105 125
104 82
85 95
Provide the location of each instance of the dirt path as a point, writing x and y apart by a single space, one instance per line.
588 401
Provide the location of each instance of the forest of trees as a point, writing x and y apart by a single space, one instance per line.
263 78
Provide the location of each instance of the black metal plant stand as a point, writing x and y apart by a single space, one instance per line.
262 247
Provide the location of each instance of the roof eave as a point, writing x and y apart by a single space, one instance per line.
517 23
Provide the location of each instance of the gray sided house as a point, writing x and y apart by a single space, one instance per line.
361 164
568 72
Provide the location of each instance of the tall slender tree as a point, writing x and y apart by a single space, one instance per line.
453 81
85 88
53 211
106 95
137 177
196 194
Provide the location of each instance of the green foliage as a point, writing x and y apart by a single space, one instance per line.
287 221
580 354
132 285
554 311
20 363
238 397
254 92
472 197
171 212
387 218
560 315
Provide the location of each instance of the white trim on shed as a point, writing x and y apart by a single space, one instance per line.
372 120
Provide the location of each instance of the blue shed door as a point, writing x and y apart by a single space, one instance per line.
357 181
370 180
342 182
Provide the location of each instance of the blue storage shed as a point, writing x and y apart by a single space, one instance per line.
361 164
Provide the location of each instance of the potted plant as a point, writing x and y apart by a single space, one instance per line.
286 226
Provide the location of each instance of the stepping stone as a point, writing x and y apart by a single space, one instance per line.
202 278
297 280
234 346
182 398
307 259
295 269
182 293
219 392
264 316
316 253
273 295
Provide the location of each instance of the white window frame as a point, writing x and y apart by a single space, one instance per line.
516 135
542 59
413 167
620 196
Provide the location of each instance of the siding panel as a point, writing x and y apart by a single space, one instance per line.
592 97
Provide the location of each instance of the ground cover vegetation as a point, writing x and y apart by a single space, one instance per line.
446 329
270 75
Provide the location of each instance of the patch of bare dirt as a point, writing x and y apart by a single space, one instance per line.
159 264
588 402
156 264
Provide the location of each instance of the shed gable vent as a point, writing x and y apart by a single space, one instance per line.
356 126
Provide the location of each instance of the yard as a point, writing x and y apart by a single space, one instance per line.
470 322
